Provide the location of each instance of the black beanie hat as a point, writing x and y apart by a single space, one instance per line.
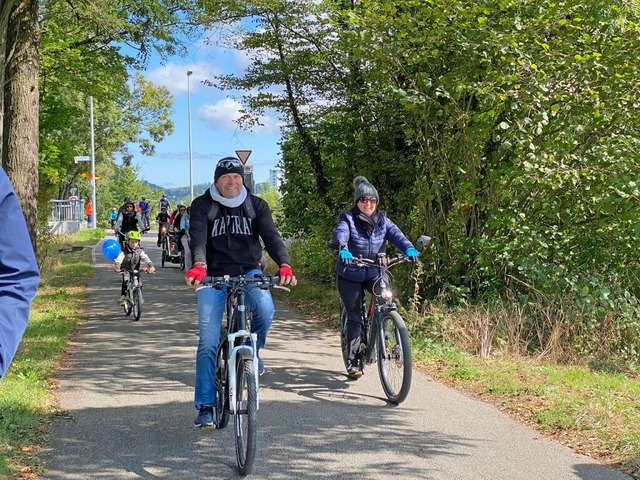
228 165
364 189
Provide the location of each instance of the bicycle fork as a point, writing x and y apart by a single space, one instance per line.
243 350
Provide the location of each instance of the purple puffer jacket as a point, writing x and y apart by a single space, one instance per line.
360 239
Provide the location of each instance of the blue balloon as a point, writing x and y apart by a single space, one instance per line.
111 249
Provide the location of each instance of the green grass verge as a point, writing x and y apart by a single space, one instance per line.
26 401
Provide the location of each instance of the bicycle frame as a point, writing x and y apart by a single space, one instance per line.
239 346
132 282
237 312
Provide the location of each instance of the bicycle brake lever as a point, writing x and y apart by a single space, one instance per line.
282 287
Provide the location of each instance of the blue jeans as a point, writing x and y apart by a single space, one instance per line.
211 305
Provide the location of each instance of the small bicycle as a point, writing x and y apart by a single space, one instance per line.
384 335
133 295
237 373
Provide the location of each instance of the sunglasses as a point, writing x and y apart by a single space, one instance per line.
229 164
129 206
368 200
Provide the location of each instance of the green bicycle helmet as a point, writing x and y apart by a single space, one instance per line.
133 235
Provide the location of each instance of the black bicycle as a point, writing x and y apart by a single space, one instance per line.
236 377
133 295
384 335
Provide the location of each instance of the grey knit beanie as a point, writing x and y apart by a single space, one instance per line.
364 189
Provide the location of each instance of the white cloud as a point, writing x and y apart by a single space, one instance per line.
224 114
220 114
174 76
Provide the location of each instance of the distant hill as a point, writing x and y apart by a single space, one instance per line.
179 194
185 192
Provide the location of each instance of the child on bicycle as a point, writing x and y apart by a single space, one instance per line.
362 230
130 258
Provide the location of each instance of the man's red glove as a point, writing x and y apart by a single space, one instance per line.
197 273
285 271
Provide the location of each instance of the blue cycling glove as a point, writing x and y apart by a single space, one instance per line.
412 253
345 256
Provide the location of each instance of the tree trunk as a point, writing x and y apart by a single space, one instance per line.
21 108
5 10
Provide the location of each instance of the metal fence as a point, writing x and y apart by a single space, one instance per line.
67 211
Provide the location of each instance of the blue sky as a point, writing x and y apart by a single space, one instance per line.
214 135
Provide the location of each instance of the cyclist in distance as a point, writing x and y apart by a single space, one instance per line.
162 218
184 237
145 212
113 216
362 231
226 225
164 202
130 258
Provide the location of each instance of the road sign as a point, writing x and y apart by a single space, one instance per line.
87 175
243 155
84 158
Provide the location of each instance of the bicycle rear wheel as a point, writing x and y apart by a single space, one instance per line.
343 336
222 410
246 417
394 356
137 304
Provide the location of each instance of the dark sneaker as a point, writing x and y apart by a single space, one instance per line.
204 418
260 364
353 370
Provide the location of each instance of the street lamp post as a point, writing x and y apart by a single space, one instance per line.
189 72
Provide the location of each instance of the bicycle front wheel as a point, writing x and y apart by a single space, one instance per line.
246 417
165 249
222 410
137 304
127 306
394 356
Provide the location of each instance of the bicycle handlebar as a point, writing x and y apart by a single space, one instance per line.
367 262
226 281
125 271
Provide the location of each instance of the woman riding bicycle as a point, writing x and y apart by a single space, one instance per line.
362 231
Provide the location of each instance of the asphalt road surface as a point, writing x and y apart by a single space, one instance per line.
126 394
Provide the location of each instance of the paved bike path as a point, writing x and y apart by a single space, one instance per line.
126 394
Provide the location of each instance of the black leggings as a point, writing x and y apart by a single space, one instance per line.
351 294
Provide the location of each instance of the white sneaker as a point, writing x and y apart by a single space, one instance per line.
122 300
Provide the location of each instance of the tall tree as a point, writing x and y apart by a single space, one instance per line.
20 127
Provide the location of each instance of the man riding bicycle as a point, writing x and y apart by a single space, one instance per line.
226 224
362 231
